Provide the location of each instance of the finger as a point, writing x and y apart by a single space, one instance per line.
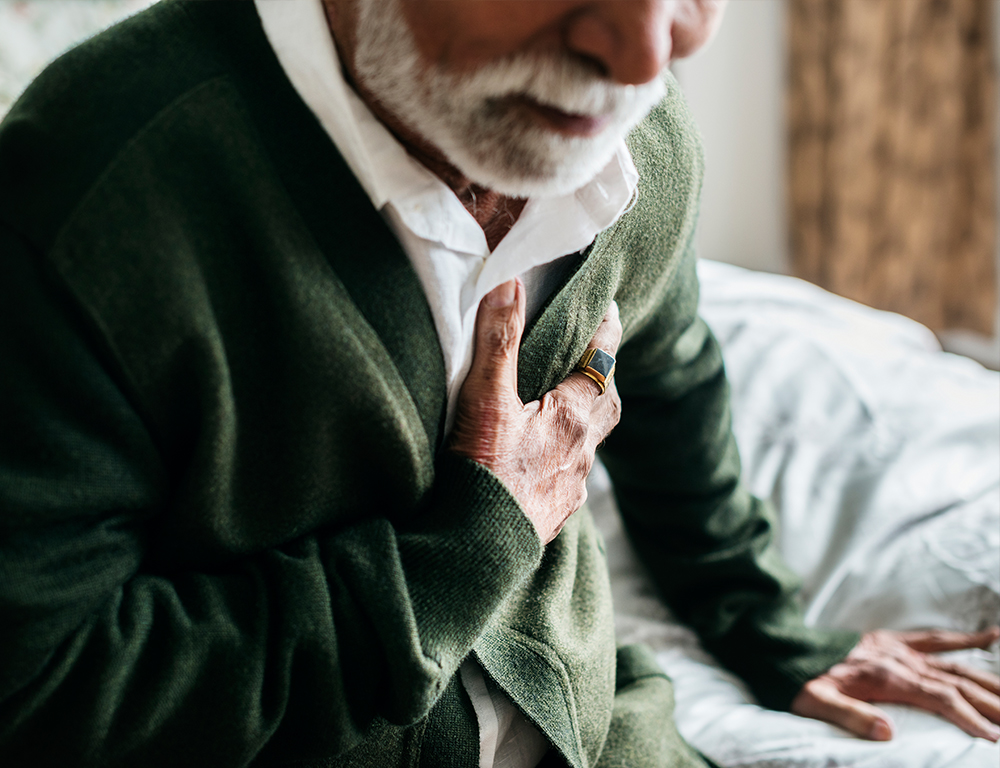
499 325
946 700
609 333
821 700
985 702
986 680
938 640
607 338
604 417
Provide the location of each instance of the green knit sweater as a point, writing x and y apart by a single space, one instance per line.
229 534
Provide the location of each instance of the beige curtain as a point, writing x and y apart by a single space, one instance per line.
892 114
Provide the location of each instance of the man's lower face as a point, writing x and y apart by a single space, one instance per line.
525 126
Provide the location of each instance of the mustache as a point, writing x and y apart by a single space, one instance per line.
563 82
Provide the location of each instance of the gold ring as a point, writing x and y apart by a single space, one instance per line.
597 365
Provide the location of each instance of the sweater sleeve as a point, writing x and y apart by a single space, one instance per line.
709 544
292 652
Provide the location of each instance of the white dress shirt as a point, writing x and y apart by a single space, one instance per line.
449 253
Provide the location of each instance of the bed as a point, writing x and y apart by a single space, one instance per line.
882 456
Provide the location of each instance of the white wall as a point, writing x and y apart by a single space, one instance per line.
736 90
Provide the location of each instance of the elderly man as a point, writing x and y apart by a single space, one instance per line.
310 318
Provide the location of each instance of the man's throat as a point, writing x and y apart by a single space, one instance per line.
495 213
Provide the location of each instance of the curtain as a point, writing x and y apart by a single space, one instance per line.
892 111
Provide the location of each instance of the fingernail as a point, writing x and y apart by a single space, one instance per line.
993 733
501 296
881 731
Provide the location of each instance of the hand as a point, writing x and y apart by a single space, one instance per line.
543 450
896 667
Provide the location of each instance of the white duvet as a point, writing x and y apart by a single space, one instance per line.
882 455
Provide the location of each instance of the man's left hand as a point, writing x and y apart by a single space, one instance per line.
899 668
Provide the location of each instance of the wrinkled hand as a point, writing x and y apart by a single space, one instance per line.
543 450
897 668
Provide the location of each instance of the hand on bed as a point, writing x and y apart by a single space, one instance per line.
899 668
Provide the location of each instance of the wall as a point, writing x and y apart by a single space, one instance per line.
735 88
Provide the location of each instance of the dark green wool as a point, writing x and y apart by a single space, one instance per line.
229 534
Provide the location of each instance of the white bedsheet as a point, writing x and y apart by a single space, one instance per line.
882 454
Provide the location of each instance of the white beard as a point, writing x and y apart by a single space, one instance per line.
492 141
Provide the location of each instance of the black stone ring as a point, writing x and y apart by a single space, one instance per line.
598 365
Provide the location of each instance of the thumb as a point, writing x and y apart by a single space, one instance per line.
499 325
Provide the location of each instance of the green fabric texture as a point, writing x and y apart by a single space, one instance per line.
228 533
642 728
452 736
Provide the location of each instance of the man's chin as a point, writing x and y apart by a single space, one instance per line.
521 148
533 171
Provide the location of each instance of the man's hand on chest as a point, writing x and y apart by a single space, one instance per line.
543 450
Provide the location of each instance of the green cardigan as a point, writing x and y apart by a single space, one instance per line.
229 533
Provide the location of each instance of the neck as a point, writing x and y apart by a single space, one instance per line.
495 213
